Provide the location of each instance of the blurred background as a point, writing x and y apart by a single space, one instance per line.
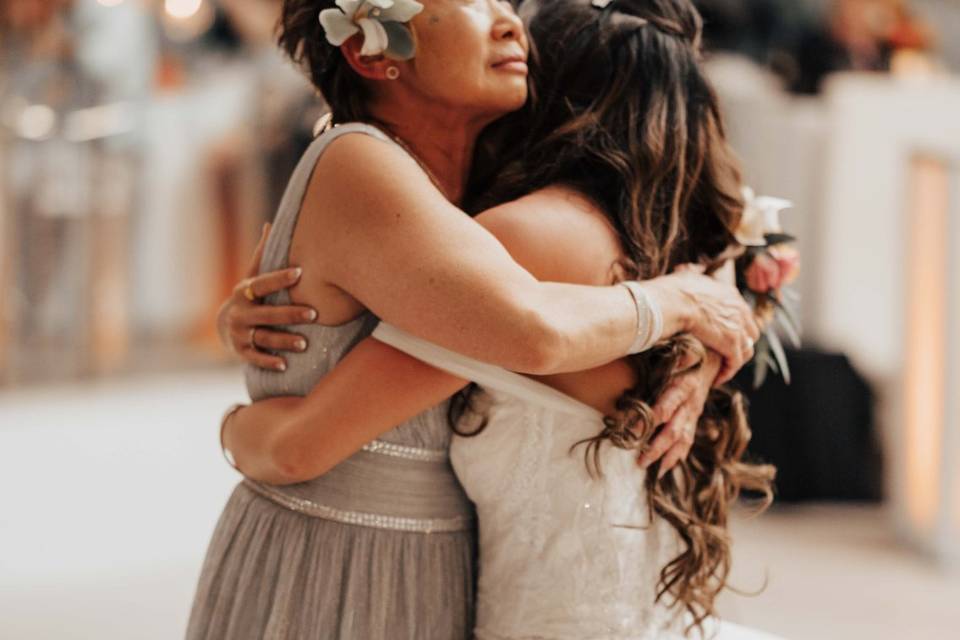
143 143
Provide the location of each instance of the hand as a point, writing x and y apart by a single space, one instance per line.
679 408
710 309
243 323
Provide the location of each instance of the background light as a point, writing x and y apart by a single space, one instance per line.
182 8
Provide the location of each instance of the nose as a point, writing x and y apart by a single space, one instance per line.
507 24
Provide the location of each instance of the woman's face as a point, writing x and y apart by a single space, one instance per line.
470 54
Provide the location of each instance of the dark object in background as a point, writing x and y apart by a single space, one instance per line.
819 431
819 54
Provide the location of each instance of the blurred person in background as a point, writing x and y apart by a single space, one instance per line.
857 35
672 38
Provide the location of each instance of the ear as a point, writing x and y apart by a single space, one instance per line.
369 67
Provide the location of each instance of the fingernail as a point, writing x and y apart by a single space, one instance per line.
301 345
282 366
310 315
296 273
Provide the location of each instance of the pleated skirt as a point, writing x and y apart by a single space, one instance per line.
272 573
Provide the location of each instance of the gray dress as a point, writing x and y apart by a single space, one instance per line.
382 547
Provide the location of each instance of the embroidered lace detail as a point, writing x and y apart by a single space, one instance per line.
527 486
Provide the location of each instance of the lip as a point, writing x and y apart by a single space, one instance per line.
514 63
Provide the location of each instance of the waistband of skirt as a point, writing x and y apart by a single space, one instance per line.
383 486
360 518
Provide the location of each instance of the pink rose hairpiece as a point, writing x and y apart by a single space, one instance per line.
383 24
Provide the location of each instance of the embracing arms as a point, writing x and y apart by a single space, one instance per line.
374 388
394 244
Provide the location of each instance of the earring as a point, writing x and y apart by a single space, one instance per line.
393 73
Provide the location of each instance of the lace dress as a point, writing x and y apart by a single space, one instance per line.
379 548
563 555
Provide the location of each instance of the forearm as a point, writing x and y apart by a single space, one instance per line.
372 390
251 433
583 327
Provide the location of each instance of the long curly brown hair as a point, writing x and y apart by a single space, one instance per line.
621 111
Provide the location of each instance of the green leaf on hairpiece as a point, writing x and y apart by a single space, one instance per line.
400 45
761 362
779 354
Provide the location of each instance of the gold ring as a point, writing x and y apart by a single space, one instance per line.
253 337
249 294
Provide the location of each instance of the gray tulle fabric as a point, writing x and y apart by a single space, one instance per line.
273 571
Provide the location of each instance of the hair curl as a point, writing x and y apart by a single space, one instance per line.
624 114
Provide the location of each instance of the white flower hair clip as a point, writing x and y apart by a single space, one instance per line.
382 22
761 218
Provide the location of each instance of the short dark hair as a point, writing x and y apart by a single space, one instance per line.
302 38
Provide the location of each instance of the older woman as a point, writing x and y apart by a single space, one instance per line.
381 546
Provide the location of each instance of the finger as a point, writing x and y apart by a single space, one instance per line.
667 437
672 458
254 267
727 372
668 403
277 316
279 341
263 360
274 281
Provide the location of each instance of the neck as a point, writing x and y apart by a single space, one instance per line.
443 141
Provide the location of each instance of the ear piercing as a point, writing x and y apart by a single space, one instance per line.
393 73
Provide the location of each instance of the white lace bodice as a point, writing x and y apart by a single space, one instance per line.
563 555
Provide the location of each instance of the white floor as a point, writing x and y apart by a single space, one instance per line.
109 492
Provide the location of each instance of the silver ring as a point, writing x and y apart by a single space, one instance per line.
253 337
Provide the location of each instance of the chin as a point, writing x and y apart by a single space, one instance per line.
515 99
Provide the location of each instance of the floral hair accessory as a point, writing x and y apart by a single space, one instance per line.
382 22
761 218
763 272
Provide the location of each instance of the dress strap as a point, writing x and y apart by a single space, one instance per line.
489 376
277 249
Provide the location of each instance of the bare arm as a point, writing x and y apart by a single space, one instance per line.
376 387
373 389
391 241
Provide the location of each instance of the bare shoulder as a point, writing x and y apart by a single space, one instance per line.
558 235
363 170
362 187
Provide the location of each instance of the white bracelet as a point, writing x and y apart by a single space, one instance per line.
649 317
227 455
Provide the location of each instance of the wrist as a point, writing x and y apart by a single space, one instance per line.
678 311
224 423
649 317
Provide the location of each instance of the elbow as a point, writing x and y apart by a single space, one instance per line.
541 350
291 462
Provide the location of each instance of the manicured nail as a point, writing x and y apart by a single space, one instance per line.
301 345
310 315
296 273
282 366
